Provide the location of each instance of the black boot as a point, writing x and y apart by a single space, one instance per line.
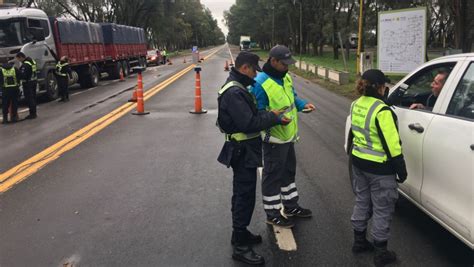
361 244
5 119
244 252
247 238
382 255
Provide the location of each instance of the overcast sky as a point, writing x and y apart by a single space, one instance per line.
217 8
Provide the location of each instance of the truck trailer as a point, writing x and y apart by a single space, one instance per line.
92 48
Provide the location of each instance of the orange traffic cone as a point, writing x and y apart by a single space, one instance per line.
226 67
197 96
184 60
140 100
122 79
134 95
169 62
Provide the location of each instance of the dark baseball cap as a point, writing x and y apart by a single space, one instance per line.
245 57
375 76
283 54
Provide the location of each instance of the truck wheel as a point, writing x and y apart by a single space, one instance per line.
126 68
114 70
89 78
51 86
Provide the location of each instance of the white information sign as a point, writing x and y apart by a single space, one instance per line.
401 40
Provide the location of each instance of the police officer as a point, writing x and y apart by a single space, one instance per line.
377 159
163 55
63 71
274 90
239 118
29 79
10 91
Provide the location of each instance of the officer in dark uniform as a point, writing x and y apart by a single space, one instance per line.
241 122
63 71
10 91
29 79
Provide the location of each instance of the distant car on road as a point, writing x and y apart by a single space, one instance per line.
438 144
153 57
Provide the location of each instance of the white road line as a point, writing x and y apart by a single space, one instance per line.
260 172
284 238
231 56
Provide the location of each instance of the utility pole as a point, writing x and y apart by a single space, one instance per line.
359 41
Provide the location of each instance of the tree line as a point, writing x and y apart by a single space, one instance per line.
268 22
174 24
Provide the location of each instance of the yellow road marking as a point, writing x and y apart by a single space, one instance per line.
28 167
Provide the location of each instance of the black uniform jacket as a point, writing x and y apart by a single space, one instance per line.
238 113
26 71
65 70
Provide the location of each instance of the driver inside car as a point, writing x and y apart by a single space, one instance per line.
436 86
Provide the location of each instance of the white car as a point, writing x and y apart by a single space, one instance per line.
438 144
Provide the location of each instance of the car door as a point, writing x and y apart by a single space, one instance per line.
448 157
411 123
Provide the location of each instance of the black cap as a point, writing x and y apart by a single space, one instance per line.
283 54
245 57
375 76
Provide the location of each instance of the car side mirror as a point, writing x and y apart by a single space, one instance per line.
38 34
396 96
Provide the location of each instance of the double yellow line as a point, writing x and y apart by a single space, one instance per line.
23 170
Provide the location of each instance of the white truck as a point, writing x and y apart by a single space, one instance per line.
438 144
244 43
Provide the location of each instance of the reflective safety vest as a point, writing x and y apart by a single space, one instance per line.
280 97
238 136
163 53
33 66
9 78
367 141
59 68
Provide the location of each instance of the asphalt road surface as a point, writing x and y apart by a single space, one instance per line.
148 191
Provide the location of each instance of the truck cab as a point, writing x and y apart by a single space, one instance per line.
28 30
245 43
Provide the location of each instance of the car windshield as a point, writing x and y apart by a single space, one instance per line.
12 33
151 53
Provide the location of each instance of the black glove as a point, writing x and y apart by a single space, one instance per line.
398 164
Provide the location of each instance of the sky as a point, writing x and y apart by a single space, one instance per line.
217 8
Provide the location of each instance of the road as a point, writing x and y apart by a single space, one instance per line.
148 191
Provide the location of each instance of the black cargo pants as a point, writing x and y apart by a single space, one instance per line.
10 97
278 183
246 157
29 89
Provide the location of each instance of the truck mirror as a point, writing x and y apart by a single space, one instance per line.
38 33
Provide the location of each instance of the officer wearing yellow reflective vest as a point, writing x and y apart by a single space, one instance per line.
274 90
29 79
377 159
241 122
63 72
10 91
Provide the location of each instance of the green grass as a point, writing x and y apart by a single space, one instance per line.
327 60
